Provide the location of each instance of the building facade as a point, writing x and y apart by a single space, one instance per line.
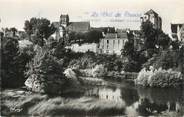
92 47
113 43
177 31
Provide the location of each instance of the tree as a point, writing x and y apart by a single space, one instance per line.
129 46
93 36
14 30
45 73
149 34
181 59
72 36
9 58
163 40
175 45
41 28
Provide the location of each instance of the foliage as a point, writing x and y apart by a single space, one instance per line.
93 36
90 60
128 49
41 28
159 78
14 30
99 71
175 45
11 71
149 34
163 40
167 59
132 66
44 65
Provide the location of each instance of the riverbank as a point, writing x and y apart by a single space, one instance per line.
21 102
114 99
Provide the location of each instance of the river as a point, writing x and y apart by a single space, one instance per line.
139 101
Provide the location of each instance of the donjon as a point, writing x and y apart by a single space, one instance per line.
154 18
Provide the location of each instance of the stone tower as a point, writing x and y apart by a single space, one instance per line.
63 23
64 20
154 18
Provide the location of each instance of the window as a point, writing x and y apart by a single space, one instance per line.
113 43
118 43
107 44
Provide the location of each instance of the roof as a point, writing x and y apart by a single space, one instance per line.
79 26
151 11
122 35
116 35
111 35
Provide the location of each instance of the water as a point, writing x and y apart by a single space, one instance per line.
141 101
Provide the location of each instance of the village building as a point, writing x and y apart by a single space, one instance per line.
113 40
113 43
78 27
177 31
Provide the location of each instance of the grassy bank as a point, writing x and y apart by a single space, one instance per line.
20 102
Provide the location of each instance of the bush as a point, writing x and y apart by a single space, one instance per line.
166 78
99 71
159 78
143 76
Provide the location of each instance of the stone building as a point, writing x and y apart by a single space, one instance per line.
92 47
177 31
113 43
64 26
154 18
78 27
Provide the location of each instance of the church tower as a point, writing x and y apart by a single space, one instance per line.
64 20
63 23
154 18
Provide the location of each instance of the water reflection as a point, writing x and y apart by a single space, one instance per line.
142 101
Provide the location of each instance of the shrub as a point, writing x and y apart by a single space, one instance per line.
166 78
99 71
143 76
159 78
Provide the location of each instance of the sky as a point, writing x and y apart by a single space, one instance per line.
13 13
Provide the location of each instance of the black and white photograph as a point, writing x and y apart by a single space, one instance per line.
92 58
